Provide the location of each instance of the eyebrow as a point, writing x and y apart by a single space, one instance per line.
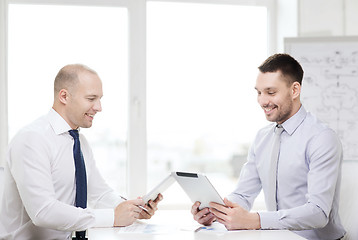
94 95
267 89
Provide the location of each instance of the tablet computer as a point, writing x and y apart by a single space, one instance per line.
198 188
160 188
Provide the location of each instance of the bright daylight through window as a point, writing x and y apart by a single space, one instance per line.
202 112
44 38
202 61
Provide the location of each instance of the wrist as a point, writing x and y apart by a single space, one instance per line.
116 220
115 224
255 221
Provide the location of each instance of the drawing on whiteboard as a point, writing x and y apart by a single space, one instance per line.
330 88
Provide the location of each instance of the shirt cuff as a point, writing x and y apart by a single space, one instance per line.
270 220
104 217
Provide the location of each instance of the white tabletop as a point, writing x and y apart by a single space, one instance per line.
178 224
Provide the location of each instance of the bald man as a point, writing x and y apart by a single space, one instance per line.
40 181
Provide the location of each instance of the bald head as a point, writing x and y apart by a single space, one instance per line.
67 77
78 93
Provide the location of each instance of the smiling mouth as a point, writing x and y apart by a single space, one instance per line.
268 109
90 115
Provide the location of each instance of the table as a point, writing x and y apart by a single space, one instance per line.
179 224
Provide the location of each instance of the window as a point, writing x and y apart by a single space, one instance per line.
44 38
190 103
202 113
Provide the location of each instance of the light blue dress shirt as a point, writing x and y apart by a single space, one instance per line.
308 178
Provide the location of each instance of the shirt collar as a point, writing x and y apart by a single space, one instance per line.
295 121
58 124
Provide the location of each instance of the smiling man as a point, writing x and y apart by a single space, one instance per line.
296 160
50 172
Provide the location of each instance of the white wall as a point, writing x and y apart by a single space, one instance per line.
351 17
327 18
287 25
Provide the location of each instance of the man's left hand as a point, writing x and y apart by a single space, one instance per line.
234 217
151 207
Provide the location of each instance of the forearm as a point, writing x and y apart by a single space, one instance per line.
60 216
68 218
308 216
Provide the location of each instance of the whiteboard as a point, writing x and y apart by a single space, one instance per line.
330 84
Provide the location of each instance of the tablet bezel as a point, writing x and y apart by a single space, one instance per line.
198 187
160 188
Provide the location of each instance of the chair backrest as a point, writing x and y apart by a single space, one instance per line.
348 207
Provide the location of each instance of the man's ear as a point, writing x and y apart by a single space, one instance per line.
296 90
63 96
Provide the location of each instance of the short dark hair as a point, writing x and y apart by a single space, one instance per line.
289 67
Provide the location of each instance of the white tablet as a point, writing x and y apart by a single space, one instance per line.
198 188
160 188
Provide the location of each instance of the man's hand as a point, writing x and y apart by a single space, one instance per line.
151 207
203 216
234 216
127 212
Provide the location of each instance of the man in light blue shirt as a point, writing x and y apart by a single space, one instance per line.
308 171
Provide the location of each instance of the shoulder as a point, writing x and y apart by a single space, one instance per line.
320 135
316 127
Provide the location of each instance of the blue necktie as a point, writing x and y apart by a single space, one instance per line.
81 183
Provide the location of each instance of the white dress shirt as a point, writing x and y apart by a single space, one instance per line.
308 178
39 185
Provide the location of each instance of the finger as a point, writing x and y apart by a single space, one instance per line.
202 213
221 221
229 203
138 201
150 210
219 214
158 198
219 207
145 215
149 205
153 205
207 219
135 208
195 208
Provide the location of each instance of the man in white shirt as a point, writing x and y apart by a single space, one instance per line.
302 187
39 176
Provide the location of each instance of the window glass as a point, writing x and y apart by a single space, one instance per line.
44 38
201 104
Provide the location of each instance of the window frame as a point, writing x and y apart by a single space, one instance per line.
136 137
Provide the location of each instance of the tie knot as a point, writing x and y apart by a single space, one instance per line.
74 133
278 129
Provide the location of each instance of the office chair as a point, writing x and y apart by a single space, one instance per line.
348 206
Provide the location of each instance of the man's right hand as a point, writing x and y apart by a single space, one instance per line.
203 216
127 212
